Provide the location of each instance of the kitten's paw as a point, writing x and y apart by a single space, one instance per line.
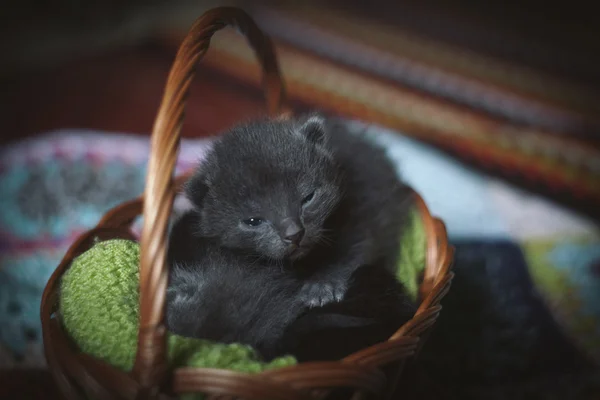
315 294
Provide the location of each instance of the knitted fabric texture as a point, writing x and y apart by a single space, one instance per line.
411 262
99 307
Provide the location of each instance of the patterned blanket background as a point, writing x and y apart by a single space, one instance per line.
525 304
523 317
536 130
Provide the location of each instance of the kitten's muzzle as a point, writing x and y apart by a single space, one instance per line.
292 231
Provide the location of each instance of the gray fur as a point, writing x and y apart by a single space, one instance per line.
224 296
266 168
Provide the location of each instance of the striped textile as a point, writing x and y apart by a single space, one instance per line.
520 124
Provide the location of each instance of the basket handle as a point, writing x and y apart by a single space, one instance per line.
150 363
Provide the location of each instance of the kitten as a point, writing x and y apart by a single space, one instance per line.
306 193
217 294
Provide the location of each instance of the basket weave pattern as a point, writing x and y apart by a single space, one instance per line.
81 376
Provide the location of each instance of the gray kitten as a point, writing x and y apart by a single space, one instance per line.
224 296
318 201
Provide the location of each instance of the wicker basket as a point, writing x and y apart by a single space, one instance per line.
80 376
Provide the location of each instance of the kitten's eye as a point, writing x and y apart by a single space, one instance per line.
254 221
308 198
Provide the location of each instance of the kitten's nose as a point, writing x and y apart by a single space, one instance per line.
293 232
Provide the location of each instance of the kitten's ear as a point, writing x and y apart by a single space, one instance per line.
312 128
195 189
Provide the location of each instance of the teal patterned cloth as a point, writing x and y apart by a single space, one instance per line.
53 188
567 274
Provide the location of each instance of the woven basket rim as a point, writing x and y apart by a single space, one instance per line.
79 375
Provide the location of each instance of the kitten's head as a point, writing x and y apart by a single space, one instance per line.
268 187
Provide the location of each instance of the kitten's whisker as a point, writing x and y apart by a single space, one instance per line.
324 239
253 263
280 264
324 242
325 232
325 235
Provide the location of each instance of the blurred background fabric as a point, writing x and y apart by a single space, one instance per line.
490 110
